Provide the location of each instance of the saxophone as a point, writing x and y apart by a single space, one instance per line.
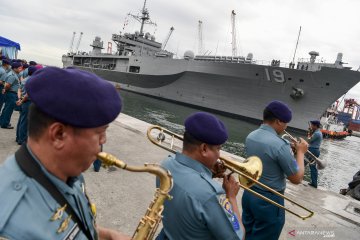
150 221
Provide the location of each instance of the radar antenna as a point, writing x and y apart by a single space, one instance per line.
167 38
233 33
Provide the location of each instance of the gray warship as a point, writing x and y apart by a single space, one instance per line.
235 86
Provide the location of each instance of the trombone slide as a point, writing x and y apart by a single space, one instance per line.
249 171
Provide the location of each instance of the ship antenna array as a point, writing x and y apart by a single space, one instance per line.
143 19
200 38
167 38
233 34
72 42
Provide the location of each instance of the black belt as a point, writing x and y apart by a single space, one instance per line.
12 92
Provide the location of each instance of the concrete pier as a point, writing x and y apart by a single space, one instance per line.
122 197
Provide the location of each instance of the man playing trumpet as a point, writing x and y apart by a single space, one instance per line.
315 140
263 220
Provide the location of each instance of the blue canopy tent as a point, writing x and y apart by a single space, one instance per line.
9 48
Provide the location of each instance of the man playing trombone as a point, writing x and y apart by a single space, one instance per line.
201 208
315 140
261 219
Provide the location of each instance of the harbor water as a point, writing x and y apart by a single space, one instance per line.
342 156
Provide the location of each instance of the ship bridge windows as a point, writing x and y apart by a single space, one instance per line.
134 69
327 84
301 80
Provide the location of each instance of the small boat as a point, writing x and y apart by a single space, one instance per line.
331 127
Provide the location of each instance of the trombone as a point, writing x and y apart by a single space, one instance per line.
320 164
249 171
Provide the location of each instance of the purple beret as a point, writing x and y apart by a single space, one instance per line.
206 128
32 63
3 57
31 70
5 61
75 97
15 65
280 110
25 65
315 122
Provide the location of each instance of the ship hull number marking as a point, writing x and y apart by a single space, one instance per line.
276 75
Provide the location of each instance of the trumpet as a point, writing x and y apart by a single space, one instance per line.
320 164
249 171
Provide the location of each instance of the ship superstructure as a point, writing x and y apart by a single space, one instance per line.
231 85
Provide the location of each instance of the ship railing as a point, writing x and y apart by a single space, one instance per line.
230 59
275 64
108 66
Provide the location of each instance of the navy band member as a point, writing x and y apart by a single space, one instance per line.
5 68
11 86
70 112
201 208
263 220
314 147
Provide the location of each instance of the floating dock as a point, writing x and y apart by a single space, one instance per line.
122 197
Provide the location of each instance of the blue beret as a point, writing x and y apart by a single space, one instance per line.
206 128
75 97
5 61
280 110
32 63
3 57
15 65
25 65
315 122
31 70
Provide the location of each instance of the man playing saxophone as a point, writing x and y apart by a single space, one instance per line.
42 187
201 208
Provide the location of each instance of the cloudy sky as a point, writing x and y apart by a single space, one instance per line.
266 28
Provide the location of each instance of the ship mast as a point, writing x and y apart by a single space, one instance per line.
200 38
233 33
143 19
297 42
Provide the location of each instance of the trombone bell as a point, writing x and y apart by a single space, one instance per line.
252 167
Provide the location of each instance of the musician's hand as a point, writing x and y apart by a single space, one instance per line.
231 186
293 148
301 146
109 234
218 170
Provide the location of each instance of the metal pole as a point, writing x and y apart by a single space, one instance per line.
293 61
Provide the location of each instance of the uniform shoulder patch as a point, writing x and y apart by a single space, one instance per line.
224 202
